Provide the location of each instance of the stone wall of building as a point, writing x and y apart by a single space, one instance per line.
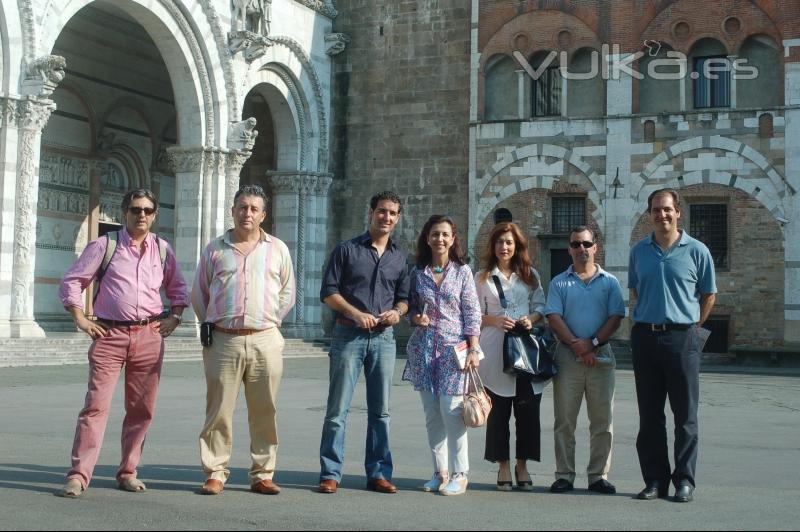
400 111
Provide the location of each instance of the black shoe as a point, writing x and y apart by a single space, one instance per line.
603 486
653 490
684 493
561 485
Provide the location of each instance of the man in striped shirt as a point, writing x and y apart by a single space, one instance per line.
245 286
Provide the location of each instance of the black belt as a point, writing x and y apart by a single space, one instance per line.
664 327
133 323
344 322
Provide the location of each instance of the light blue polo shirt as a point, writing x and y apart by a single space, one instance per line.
585 307
670 284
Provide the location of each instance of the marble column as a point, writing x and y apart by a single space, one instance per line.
300 213
190 166
29 118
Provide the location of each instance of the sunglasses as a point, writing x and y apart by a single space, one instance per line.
139 210
586 244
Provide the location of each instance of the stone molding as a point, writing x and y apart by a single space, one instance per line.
222 50
28 23
298 97
335 43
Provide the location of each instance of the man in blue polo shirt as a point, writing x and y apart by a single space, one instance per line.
671 276
366 284
584 308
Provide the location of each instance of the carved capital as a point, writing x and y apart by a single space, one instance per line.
32 113
43 75
186 160
335 43
252 45
301 183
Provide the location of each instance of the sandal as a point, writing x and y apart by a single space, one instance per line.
503 485
132 484
72 489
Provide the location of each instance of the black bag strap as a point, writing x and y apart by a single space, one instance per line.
500 293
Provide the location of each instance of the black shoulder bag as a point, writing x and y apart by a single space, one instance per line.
527 353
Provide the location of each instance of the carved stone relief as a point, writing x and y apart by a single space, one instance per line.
63 171
335 43
43 75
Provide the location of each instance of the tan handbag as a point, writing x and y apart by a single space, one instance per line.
477 403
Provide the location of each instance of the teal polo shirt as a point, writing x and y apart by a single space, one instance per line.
670 284
585 307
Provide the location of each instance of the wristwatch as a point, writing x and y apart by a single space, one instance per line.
180 320
595 341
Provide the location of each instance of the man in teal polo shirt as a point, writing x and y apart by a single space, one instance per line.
584 308
671 276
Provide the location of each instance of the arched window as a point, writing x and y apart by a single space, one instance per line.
546 89
709 74
761 88
649 131
585 87
659 89
500 89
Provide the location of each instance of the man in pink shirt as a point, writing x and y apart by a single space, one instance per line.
129 331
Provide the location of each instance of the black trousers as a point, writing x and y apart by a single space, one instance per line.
526 407
667 365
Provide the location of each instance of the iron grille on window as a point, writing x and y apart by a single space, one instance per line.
568 213
546 93
709 224
712 86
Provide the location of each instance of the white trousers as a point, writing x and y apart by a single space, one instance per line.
447 433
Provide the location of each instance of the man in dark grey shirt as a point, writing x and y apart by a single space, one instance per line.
366 284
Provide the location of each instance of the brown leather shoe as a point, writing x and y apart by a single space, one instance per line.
328 486
381 485
212 486
265 487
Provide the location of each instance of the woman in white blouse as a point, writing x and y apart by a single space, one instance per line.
507 258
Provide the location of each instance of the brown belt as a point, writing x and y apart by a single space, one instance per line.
239 332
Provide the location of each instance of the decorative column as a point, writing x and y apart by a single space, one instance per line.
792 200
32 115
241 139
301 216
189 165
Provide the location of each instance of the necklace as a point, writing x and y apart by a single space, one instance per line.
439 269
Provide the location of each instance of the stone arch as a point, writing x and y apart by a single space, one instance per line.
136 107
202 108
291 63
289 116
10 56
486 203
769 190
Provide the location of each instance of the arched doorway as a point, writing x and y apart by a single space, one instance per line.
116 115
264 157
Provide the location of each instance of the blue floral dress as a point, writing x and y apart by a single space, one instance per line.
455 314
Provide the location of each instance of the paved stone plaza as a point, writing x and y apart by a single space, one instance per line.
747 473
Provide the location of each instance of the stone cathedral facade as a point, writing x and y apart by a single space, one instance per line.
533 111
186 97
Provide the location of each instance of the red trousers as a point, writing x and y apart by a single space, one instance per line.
141 351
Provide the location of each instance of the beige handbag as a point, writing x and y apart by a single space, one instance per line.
477 403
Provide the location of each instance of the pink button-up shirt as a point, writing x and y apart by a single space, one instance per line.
131 287
237 291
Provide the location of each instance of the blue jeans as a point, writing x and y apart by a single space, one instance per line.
351 350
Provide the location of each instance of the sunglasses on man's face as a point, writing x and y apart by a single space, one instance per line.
576 244
136 211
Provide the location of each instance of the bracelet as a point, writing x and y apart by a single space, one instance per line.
474 350
180 320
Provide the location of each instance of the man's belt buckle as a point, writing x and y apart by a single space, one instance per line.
142 322
658 327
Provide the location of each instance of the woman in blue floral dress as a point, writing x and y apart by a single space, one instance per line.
446 311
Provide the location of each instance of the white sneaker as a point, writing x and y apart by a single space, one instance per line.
435 483
456 486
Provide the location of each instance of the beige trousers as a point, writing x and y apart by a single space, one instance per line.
257 361
574 380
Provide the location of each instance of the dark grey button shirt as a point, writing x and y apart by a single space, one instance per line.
370 283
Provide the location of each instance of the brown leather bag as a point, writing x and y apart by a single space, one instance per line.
477 403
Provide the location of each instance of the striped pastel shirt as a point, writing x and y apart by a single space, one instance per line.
237 291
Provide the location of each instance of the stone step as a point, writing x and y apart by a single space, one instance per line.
72 349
